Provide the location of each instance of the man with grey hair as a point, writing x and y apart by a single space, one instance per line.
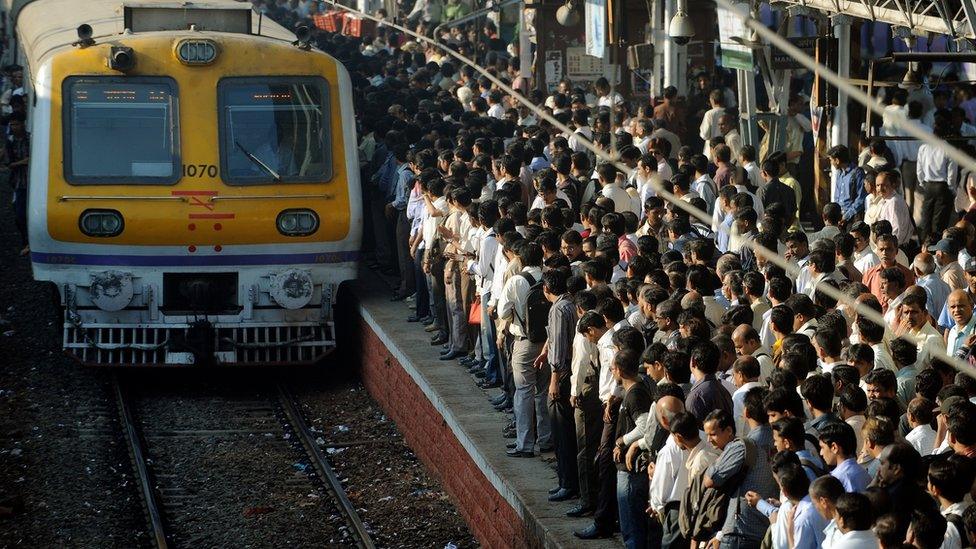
727 124
936 290
669 477
692 300
947 256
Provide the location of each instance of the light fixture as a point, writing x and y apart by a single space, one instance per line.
567 15
680 30
84 36
121 58
304 36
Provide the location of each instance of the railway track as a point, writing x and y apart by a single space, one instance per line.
169 441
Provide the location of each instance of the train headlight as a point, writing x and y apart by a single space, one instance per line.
298 222
292 289
101 223
111 290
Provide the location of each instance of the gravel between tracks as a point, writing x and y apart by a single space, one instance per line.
61 452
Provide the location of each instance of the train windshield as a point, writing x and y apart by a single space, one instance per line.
274 130
121 130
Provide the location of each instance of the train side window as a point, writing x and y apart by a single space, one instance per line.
121 130
274 130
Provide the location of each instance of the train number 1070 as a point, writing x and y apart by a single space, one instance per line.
200 170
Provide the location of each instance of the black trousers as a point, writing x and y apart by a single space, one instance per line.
589 430
937 205
605 517
564 434
404 261
672 538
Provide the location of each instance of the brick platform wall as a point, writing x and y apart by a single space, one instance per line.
492 520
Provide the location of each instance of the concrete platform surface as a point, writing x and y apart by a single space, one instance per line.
522 483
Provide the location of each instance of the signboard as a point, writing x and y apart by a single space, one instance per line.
808 44
735 55
554 69
595 21
580 66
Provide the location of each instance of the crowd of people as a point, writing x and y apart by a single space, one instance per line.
693 391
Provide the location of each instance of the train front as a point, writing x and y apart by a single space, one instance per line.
194 196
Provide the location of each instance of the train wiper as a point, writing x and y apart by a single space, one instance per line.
258 161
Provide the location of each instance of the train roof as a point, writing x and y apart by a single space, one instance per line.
45 26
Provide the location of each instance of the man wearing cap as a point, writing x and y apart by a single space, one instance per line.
960 307
947 255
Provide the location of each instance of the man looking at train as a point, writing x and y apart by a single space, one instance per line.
18 156
396 211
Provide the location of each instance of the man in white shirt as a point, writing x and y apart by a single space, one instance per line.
614 188
496 109
920 416
709 127
583 131
893 207
913 325
950 487
937 173
745 376
824 492
864 256
531 399
684 456
727 125
961 310
747 159
854 520
747 343
604 96
483 269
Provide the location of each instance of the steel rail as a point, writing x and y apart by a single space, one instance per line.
321 464
139 465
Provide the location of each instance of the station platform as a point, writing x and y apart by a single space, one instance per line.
448 422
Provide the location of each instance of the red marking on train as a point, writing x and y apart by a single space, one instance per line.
218 247
218 226
194 193
212 216
194 201
192 226
192 248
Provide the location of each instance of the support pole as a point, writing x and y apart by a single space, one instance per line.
747 107
659 34
525 47
842 32
675 56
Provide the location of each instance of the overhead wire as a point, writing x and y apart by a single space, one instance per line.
772 256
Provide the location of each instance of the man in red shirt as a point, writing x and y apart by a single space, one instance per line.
887 252
614 224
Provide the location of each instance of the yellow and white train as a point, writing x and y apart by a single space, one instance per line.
194 180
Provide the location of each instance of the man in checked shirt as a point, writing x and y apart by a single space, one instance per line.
556 354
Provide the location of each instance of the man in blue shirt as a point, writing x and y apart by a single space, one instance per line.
838 447
848 183
397 212
744 525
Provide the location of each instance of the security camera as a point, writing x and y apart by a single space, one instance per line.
681 30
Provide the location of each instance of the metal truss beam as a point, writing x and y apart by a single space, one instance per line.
954 18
